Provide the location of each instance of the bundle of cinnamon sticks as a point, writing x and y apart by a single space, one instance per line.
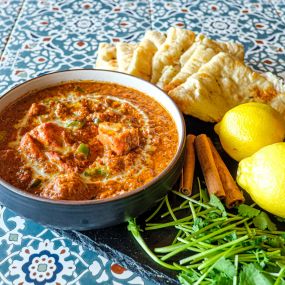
217 176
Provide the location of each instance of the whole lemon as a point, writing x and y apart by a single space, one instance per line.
262 176
248 127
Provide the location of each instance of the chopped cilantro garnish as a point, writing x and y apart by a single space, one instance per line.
94 172
79 89
83 149
35 183
75 124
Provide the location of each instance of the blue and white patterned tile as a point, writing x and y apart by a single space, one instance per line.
9 10
33 255
279 6
56 35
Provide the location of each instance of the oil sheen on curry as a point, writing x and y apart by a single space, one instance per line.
85 140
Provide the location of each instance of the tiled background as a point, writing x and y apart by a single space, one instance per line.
49 35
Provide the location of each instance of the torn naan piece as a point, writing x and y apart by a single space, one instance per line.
156 37
201 52
188 53
221 84
176 43
107 57
233 48
168 73
125 53
141 62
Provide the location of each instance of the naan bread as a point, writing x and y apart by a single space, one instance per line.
176 43
125 53
168 73
200 53
141 62
235 49
156 37
188 53
107 57
221 84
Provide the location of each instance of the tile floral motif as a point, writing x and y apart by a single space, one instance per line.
31 254
57 35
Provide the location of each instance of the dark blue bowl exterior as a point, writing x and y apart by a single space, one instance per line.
91 216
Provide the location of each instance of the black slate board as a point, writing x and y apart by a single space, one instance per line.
117 244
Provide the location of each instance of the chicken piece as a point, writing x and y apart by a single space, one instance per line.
67 187
50 134
31 148
117 137
37 109
61 110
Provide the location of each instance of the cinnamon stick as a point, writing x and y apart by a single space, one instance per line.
188 167
208 166
233 194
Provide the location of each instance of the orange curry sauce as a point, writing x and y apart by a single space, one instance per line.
85 140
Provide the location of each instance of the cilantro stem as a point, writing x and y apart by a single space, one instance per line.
193 211
169 224
280 275
156 211
173 223
192 200
200 256
220 230
183 206
134 229
169 209
236 270
179 233
204 275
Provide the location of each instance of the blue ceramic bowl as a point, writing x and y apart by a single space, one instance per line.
93 214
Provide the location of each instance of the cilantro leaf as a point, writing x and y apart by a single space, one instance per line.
251 274
216 202
225 266
219 279
247 211
262 221
189 277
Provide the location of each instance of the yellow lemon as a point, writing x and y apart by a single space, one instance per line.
262 176
248 127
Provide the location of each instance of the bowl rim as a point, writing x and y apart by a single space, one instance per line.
166 170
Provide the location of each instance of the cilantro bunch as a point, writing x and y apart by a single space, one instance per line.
213 246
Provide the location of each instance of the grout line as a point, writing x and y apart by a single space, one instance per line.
12 31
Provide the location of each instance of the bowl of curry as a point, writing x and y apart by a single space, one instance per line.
85 149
